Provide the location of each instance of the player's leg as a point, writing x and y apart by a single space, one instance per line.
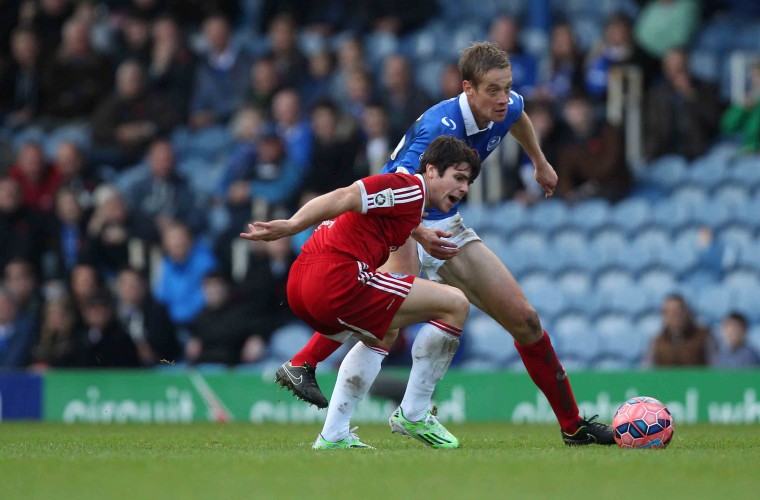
426 301
490 286
303 365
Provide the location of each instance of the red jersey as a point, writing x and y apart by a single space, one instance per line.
392 206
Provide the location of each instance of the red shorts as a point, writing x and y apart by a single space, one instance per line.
333 294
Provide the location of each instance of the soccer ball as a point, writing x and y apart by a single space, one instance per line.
643 422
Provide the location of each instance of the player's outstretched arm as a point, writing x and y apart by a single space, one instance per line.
523 131
433 243
321 208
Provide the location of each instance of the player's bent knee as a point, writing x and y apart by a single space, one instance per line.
460 304
527 327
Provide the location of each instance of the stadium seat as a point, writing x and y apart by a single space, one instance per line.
486 341
576 340
667 172
690 195
606 246
707 171
742 280
548 215
732 194
619 339
629 300
737 236
714 213
613 279
570 246
476 215
746 171
658 281
590 215
631 214
508 217
713 303
747 301
670 215
648 325
635 258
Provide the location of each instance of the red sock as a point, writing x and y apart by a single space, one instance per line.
547 373
316 350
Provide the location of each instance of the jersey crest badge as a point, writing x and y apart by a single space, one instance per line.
493 143
384 198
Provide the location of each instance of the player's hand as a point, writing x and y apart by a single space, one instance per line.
546 177
433 243
268 231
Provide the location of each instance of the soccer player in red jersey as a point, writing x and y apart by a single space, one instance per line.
450 252
335 286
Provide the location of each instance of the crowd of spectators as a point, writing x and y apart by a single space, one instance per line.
138 137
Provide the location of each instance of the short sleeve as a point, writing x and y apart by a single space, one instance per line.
391 194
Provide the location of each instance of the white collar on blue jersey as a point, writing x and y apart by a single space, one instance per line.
470 126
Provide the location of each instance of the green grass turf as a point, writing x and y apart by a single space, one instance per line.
275 461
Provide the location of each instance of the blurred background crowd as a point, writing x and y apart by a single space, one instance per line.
138 137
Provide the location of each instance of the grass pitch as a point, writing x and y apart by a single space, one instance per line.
275 461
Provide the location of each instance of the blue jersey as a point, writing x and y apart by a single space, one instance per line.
451 117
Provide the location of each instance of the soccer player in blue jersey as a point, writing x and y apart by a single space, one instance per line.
448 251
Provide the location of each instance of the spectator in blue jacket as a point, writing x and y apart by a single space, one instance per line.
181 272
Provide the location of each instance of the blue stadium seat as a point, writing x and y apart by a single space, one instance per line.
575 339
681 257
648 325
714 213
714 303
750 257
486 341
667 172
476 215
590 215
747 302
732 194
531 241
619 338
742 280
739 237
707 171
549 301
571 247
631 214
509 217
574 282
629 300
548 215
690 194
670 215
658 281
606 246
613 279
746 171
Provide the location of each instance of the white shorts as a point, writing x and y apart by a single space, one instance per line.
461 236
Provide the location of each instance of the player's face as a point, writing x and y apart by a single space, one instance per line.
449 189
490 99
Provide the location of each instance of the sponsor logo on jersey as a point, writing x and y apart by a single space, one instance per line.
449 122
493 143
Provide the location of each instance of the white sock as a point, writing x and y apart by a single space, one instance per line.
432 351
357 372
